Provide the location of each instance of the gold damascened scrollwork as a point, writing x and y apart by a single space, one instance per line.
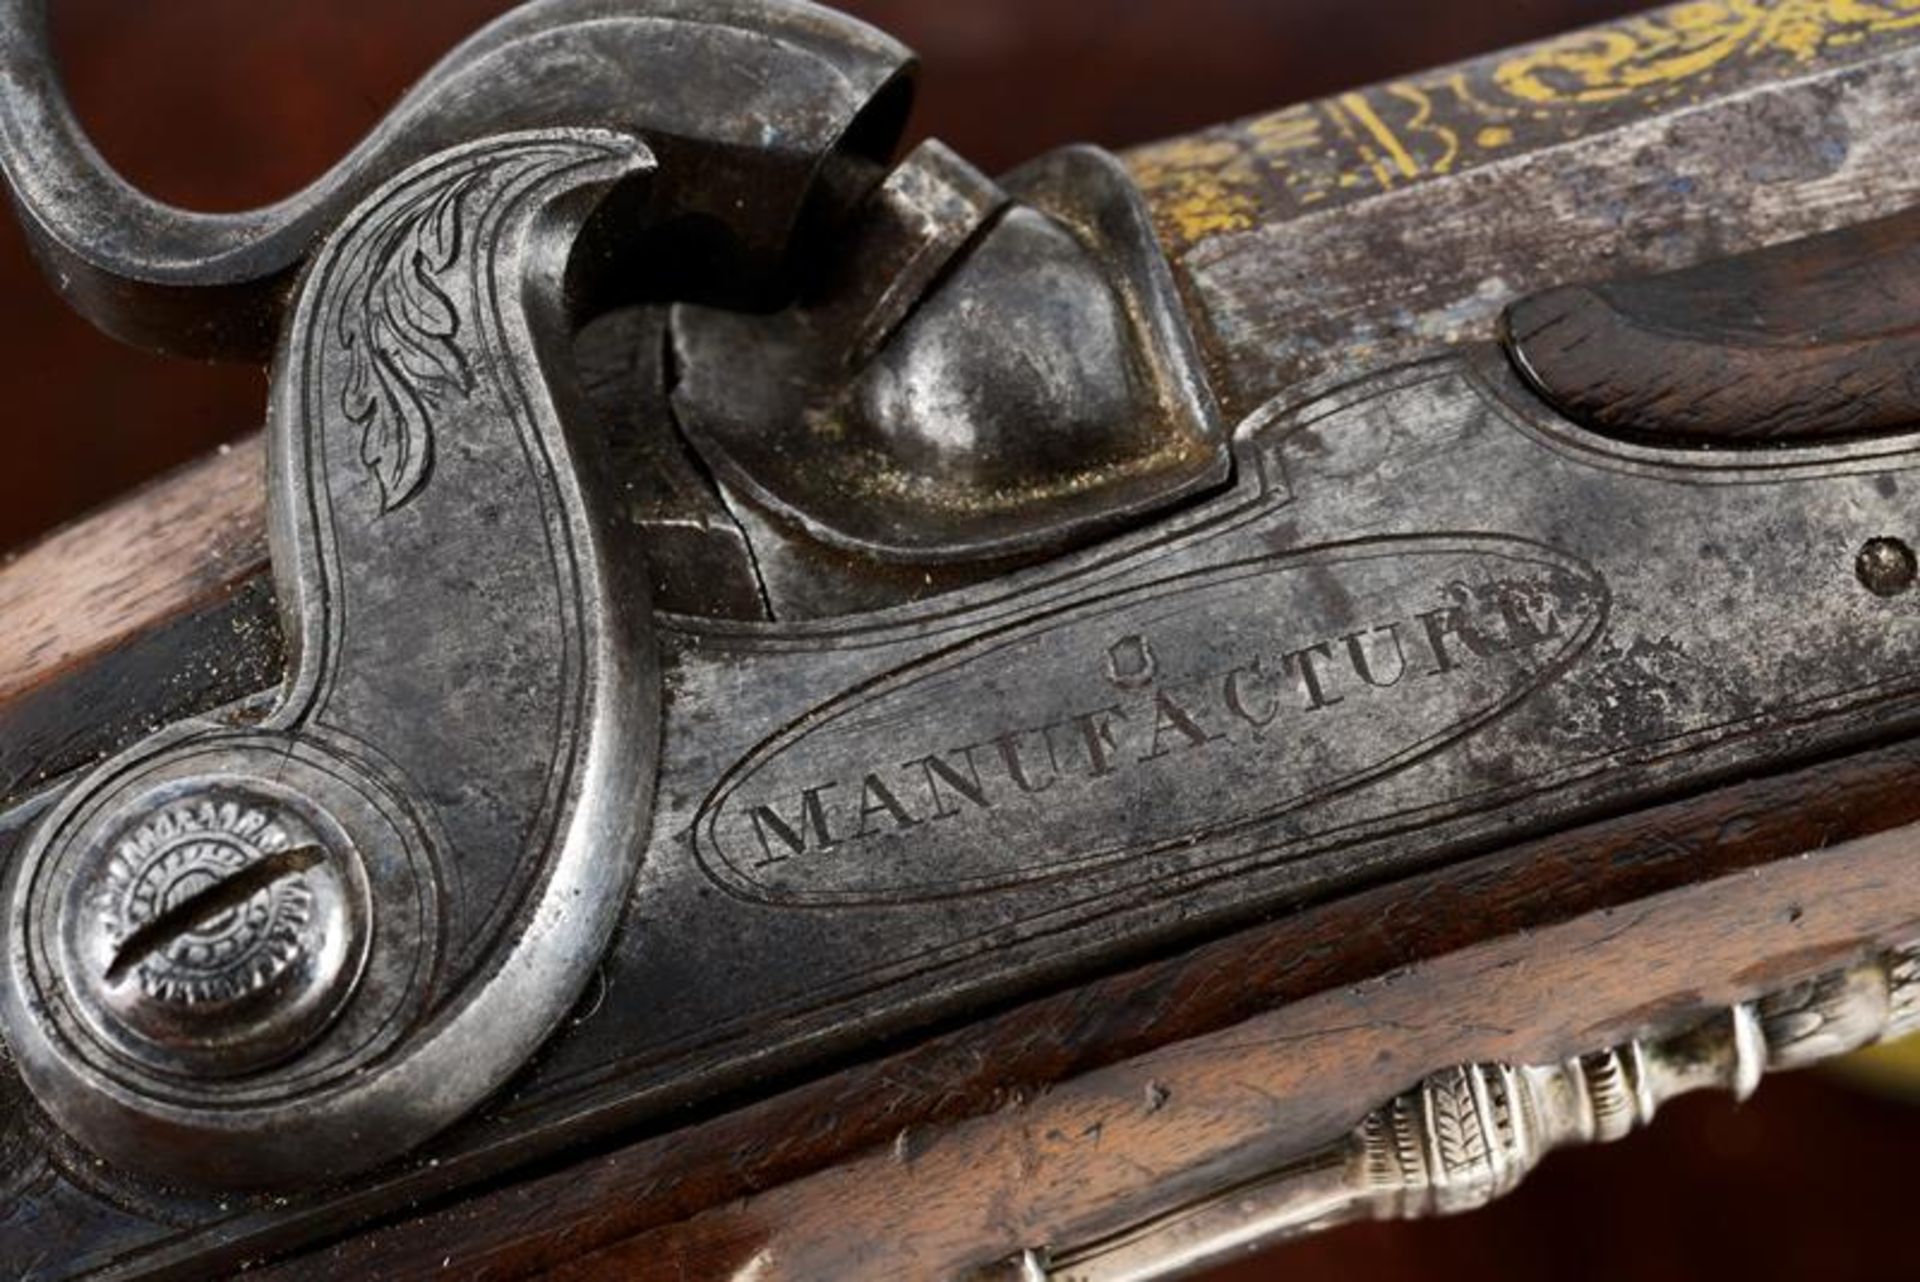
1665 49
1329 153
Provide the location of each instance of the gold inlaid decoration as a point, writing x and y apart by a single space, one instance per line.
1666 50
1238 177
1199 187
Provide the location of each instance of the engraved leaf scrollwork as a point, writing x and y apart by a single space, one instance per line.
399 327
1459 1143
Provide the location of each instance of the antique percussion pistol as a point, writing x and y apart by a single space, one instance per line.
770 708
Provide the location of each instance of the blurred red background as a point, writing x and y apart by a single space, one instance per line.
227 103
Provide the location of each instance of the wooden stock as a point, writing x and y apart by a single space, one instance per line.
170 548
1086 1111
156 606
1814 340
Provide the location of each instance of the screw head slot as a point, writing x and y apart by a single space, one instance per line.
214 931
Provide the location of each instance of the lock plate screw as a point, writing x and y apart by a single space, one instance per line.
214 933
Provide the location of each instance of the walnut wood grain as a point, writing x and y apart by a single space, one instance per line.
1110 1149
168 548
154 607
1816 339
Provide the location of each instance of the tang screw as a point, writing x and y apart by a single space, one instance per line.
216 935
1886 567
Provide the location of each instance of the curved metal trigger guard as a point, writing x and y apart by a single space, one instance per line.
279 953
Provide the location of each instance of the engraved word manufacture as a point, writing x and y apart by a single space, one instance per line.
1152 720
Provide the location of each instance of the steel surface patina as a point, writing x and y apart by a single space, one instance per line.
1036 593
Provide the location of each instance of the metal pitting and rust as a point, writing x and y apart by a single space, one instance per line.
276 946
1387 224
886 758
1022 384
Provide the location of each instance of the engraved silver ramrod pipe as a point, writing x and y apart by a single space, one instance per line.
1468 1134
